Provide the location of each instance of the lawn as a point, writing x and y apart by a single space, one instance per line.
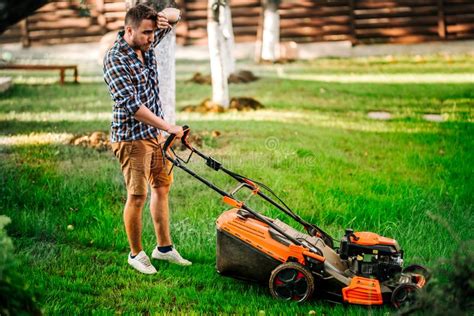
314 144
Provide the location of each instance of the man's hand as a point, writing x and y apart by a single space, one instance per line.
172 14
162 21
175 129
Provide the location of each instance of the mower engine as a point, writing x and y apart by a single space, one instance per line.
370 255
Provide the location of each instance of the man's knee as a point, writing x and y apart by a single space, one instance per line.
137 201
162 191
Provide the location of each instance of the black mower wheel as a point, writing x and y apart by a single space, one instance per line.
292 282
418 269
404 295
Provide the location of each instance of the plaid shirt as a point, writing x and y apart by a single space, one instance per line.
131 85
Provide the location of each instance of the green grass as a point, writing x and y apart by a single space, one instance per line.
405 178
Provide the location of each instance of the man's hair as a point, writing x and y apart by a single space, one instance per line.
139 13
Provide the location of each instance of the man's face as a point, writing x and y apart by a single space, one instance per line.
142 37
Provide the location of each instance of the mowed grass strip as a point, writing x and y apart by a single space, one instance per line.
405 178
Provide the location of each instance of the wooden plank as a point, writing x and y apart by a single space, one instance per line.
52 16
400 40
459 9
364 4
462 18
115 15
457 2
343 20
67 40
312 4
388 22
114 6
36 67
202 5
461 28
460 36
397 12
69 32
316 12
62 23
116 25
311 31
396 31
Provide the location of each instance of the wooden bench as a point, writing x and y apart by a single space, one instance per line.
61 68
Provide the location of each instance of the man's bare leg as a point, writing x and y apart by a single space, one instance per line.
132 217
159 209
160 212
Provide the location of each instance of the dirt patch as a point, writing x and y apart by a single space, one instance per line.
199 78
241 104
242 76
97 140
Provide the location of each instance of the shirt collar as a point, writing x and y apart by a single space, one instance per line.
125 47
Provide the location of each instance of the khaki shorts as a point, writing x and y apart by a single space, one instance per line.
142 163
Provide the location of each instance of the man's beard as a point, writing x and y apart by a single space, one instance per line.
143 47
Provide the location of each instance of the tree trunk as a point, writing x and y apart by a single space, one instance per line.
220 89
167 75
225 19
271 31
165 56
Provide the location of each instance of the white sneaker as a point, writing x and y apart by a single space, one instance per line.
171 256
142 263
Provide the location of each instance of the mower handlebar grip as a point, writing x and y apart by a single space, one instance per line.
184 139
169 141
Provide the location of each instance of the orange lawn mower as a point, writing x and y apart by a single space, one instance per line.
366 269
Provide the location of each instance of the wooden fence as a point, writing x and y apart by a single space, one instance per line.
304 21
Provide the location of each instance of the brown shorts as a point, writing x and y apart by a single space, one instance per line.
142 164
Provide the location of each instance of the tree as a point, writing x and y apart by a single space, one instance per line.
166 61
221 41
12 12
271 31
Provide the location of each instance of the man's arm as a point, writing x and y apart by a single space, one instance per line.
165 22
148 117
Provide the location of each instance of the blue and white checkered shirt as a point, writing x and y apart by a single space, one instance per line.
131 85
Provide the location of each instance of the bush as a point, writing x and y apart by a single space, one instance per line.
15 298
451 289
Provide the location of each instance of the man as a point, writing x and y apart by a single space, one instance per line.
137 130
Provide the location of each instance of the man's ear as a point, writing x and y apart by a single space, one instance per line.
128 29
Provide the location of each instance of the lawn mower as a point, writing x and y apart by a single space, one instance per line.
365 269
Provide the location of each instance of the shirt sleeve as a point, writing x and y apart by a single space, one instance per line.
118 77
160 34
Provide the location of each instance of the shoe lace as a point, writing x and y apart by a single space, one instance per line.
145 261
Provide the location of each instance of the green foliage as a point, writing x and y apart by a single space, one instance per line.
451 291
6 245
15 297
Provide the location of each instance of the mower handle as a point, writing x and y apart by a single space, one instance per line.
170 140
